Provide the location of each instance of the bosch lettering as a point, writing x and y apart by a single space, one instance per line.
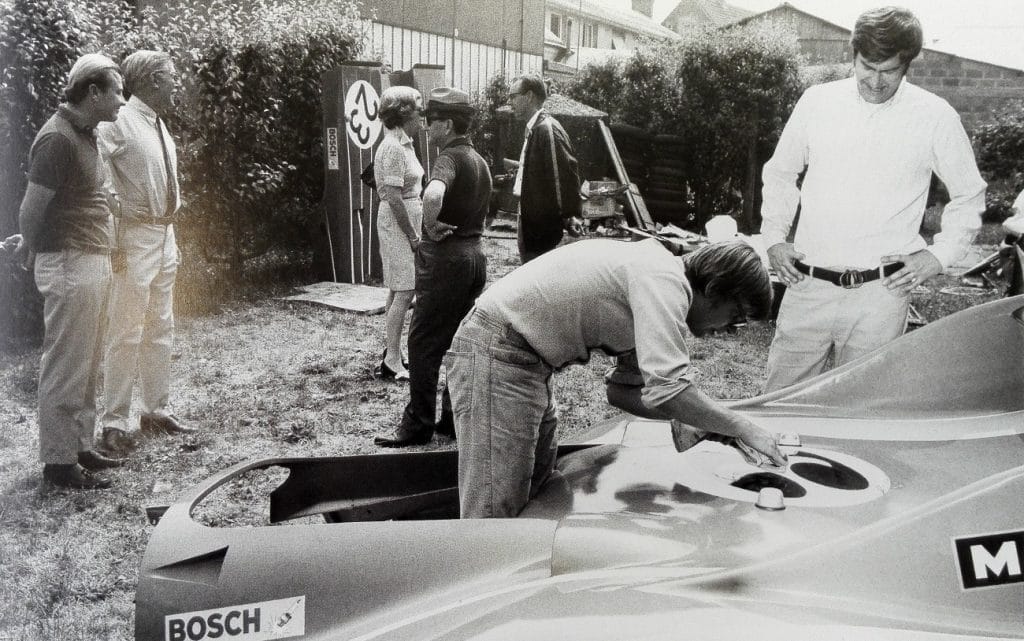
214 626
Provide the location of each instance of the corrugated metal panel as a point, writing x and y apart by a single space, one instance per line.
468 65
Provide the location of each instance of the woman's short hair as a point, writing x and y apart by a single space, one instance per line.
882 33
731 270
138 67
90 69
398 104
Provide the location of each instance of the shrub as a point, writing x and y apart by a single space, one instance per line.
1000 144
249 118
601 85
39 41
726 94
999 198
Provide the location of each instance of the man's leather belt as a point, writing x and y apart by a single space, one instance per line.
851 278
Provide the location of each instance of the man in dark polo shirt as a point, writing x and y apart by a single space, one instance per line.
450 266
66 220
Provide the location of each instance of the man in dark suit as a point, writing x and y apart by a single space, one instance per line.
547 175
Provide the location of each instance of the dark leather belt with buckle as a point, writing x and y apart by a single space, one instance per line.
851 278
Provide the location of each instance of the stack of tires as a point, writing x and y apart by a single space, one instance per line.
666 193
634 145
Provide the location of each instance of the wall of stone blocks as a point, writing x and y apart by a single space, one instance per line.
977 90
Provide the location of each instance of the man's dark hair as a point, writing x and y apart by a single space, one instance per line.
731 271
104 79
882 33
534 83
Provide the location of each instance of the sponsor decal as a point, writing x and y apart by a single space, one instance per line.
279 619
332 148
987 560
362 114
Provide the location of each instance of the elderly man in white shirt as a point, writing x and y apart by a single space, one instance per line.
869 145
143 162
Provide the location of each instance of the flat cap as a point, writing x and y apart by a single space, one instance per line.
449 100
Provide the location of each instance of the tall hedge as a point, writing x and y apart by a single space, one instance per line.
248 117
725 93
39 41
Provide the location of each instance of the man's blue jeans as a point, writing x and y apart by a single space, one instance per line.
505 417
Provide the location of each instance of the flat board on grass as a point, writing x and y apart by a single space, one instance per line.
362 299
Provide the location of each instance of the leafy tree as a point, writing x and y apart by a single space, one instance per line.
725 93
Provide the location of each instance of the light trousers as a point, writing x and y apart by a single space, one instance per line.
75 287
505 417
818 319
140 330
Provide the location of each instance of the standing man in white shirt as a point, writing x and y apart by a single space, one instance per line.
869 145
143 161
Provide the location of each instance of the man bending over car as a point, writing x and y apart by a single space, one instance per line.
635 301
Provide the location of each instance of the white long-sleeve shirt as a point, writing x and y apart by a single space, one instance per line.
869 168
131 144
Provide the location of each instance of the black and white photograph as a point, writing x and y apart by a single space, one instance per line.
492 320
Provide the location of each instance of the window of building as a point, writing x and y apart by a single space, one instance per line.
567 38
589 38
556 24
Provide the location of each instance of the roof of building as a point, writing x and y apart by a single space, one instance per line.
714 12
786 7
607 14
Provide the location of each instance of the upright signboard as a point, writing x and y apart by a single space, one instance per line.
352 129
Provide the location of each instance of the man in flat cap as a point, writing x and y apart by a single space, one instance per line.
65 219
140 331
547 174
450 266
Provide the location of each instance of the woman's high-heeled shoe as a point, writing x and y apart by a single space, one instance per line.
388 374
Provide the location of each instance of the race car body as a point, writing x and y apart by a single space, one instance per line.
898 517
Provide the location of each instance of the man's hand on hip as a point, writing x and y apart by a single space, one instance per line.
917 268
781 257
438 231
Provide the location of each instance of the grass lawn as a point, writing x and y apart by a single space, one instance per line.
260 378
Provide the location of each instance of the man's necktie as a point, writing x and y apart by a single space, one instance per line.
172 184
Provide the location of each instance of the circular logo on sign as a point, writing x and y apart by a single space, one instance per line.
362 111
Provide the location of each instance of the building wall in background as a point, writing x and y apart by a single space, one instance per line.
977 90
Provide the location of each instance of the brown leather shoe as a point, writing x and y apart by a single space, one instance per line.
94 461
75 477
163 424
117 443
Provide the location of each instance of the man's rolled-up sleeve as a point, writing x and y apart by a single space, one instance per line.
659 301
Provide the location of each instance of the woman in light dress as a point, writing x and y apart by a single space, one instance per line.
399 178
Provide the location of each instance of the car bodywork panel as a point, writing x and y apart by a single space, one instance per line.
901 454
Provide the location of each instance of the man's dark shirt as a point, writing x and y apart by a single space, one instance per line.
64 157
468 181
